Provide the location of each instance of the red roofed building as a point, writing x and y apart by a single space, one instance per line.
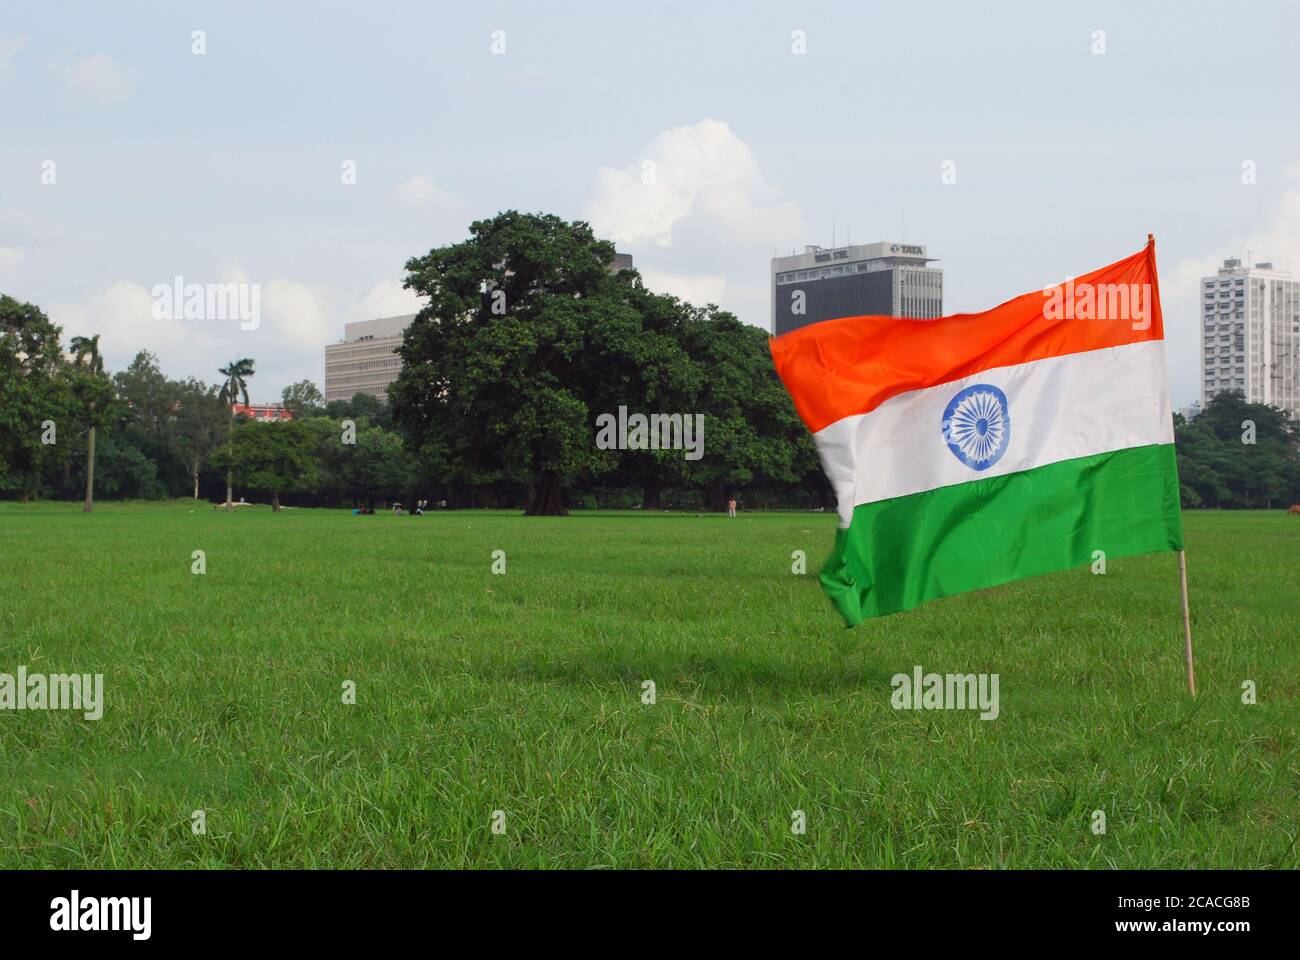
264 411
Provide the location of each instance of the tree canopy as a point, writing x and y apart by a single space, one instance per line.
530 335
38 407
530 341
303 399
1238 454
274 457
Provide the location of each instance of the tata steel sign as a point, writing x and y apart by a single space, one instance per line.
907 249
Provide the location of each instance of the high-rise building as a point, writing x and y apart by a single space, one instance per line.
366 360
882 279
1250 334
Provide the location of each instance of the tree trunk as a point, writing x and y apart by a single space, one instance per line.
196 484
89 505
548 501
650 495
717 496
230 454
275 503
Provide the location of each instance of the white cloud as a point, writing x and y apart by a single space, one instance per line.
98 79
1180 288
697 289
10 257
123 316
297 320
703 170
9 47
420 192
295 315
388 298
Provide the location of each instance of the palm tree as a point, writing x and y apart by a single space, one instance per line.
233 387
85 352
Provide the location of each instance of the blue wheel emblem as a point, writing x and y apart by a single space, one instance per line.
976 426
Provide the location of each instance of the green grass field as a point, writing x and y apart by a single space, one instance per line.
522 693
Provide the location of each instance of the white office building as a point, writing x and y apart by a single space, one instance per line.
366 359
1250 335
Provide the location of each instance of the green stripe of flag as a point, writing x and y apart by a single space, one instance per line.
901 552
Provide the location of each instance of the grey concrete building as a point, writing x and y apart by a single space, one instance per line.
365 361
885 279
1250 334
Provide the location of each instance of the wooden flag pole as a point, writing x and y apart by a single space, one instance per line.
1187 623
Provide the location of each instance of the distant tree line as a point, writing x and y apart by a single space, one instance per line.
159 438
528 343
1238 454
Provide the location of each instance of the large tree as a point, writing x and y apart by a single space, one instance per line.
495 383
362 406
752 432
275 457
36 404
303 399
1238 454
197 426
150 399
234 385
148 411
640 362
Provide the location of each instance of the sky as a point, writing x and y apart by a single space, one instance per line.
702 137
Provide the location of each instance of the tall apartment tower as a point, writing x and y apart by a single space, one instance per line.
366 361
1250 335
883 279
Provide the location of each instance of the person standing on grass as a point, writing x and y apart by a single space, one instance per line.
731 507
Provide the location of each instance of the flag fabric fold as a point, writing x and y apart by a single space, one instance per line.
977 449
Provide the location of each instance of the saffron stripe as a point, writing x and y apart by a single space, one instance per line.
839 368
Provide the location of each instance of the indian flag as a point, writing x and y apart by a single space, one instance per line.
977 449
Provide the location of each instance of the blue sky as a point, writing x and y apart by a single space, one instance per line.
227 165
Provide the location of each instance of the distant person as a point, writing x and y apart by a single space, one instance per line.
731 507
